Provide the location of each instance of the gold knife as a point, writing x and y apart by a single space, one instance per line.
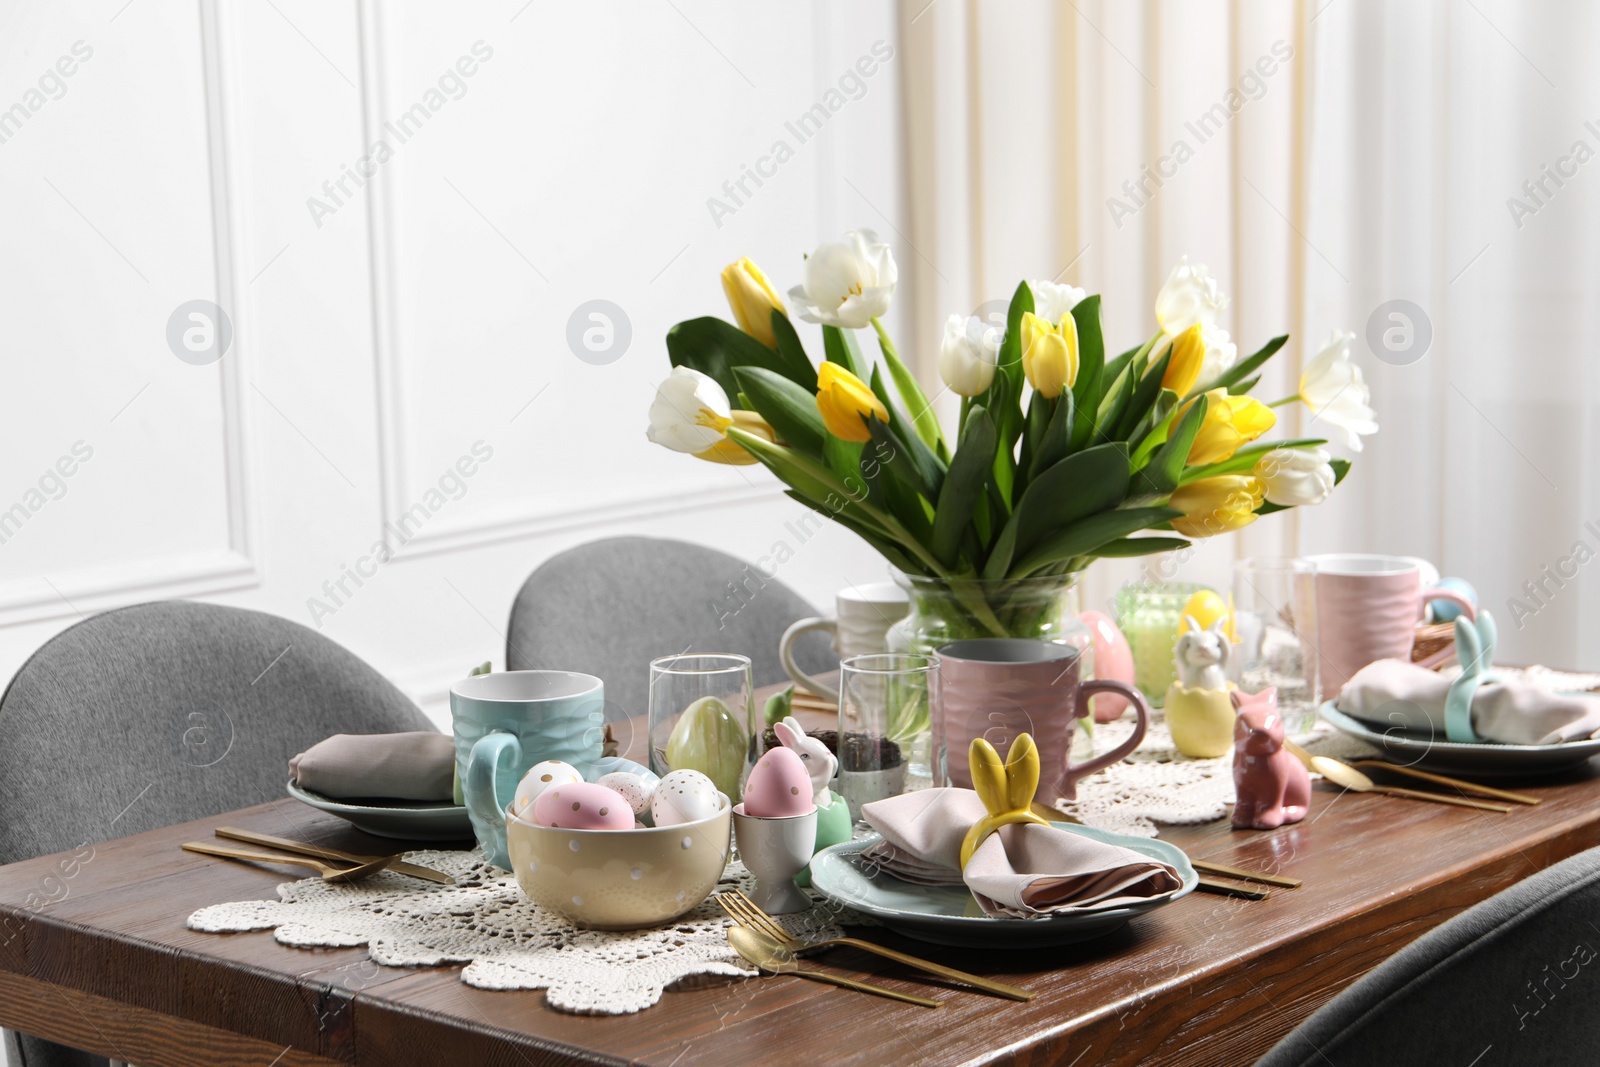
301 848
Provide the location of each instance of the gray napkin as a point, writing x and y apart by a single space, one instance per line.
1022 871
412 766
1392 692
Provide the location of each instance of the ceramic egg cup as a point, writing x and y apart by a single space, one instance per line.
775 850
620 879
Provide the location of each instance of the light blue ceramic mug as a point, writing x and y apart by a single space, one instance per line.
505 723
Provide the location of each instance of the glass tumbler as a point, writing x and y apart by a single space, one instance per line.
883 706
1275 607
703 718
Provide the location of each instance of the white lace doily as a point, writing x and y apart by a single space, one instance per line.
1158 784
506 942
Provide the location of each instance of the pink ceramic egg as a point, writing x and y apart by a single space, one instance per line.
778 786
629 787
582 806
1113 658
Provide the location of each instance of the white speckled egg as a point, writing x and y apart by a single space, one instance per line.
582 806
629 787
684 796
541 776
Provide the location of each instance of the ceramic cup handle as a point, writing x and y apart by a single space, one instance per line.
1429 595
489 784
786 654
1141 709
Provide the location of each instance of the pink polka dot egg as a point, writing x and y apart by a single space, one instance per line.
582 806
778 786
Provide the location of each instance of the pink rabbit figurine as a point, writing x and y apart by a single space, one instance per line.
1273 787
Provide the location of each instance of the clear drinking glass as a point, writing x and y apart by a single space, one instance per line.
1275 619
703 718
883 707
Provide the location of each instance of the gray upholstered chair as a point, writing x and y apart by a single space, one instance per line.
609 607
160 713
1510 980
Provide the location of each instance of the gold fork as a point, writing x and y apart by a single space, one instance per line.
741 909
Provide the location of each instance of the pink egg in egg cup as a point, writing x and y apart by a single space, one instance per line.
776 830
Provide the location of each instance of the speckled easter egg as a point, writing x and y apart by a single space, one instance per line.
582 806
540 777
684 796
629 787
778 786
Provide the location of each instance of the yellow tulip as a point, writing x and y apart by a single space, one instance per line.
732 452
1217 505
845 403
752 300
1188 357
1049 354
1231 422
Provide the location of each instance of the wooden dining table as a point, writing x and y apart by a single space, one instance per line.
94 953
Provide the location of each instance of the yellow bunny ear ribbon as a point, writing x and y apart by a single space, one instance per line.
1007 791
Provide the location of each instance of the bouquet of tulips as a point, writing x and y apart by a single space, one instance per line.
1061 455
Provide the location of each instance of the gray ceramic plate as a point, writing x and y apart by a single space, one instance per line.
407 822
1487 760
947 915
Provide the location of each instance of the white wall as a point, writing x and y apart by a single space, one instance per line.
380 336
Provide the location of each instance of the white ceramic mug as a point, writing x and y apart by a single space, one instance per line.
862 617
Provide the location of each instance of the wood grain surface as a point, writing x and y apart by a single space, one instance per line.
94 953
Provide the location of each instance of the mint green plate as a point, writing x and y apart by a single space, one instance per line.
405 820
947 915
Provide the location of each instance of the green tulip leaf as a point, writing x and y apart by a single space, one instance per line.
1246 458
1126 547
797 365
789 408
1239 372
963 484
1055 442
1144 397
840 347
1164 472
1081 485
930 470
1085 535
714 348
1241 388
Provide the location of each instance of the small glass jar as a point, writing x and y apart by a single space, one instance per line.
1149 614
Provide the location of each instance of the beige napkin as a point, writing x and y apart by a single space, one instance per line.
412 766
1022 871
1393 692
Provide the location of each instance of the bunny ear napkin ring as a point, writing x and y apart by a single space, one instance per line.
1006 789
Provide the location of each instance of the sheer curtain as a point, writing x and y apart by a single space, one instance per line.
1325 159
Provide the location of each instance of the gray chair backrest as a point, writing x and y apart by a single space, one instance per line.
1517 973
609 607
160 713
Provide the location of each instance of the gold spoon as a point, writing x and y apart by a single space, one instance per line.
769 956
1342 774
329 872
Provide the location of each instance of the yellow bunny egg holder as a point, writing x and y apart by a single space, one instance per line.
1006 789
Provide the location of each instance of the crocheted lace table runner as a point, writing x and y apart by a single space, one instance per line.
506 942
486 923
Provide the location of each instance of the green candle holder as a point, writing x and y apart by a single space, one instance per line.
1148 614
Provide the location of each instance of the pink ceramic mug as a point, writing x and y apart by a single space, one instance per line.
997 688
1368 608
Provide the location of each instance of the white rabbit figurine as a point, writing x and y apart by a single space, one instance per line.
821 764
1202 655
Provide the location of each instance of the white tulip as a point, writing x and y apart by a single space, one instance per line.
1190 295
1295 477
848 282
1052 301
968 355
1221 354
691 412
1332 387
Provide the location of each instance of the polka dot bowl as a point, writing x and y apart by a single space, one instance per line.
620 879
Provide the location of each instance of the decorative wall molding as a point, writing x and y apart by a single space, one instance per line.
84 590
